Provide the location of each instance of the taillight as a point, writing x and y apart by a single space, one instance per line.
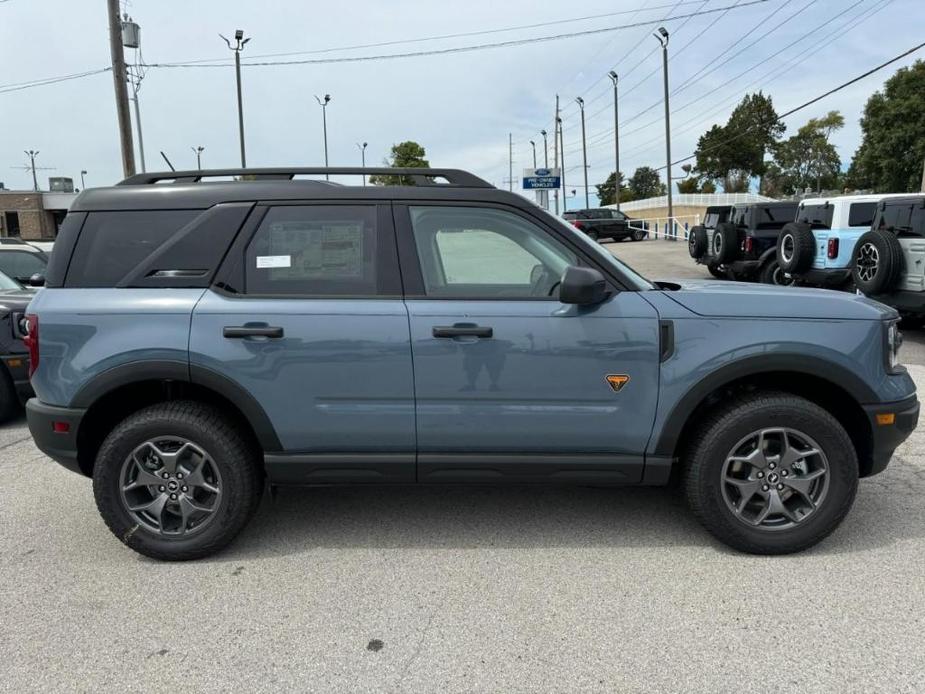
833 248
749 244
31 341
578 225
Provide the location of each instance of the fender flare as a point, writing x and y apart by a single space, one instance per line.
667 439
157 370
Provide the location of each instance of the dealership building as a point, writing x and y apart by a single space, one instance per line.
33 215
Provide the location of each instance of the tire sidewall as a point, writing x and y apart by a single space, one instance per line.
843 476
234 503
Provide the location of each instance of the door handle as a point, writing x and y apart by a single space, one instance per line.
462 330
252 331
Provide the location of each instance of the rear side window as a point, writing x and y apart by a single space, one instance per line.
22 264
314 250
861 214
112 244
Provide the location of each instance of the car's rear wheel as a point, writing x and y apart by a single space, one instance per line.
796 247
176 481
771 474
718 271
592 235
638 234
773 273
877 262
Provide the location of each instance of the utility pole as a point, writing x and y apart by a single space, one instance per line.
240 42
324 124
131 38
555 153
119 74
362 149
198 153
616 139
562 164
923 178
662 37
584 148
510 162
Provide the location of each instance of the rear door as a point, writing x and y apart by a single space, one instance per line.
307 319
510 383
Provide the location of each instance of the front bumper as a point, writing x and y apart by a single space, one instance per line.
886 437
59 445
18 367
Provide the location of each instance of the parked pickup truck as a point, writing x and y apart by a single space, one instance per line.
607 223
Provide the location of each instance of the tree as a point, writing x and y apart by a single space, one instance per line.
606 190
734 153
408 154
646 183
808 159
892 149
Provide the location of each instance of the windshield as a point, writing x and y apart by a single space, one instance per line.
817 216
633 278
8 283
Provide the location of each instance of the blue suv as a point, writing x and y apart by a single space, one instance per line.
197 340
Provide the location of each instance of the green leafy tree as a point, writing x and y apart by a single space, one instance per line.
892 149
735 153
646 183
808 159
606 190
408 154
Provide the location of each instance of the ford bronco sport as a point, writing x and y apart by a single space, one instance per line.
889 260
197 340
817 248
746 245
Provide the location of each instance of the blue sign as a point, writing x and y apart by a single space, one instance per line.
542 179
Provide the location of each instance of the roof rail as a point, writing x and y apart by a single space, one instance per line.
420 177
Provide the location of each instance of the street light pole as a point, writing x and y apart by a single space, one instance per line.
662 37
584 148
510 162
555 154
533 145
82 174
32 154
616 139
562 164
545 149
362 149
198 151
240 42
324 125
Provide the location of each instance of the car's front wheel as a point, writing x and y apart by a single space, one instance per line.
771 473
176 481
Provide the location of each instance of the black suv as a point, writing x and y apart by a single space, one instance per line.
700 239
746 244
605 223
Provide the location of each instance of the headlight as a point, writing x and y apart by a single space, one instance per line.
894 340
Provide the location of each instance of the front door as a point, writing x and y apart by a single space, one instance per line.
307 319
509 382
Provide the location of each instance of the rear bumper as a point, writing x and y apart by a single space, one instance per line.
887 437
834 277
911 302
743 267
60 446
18 367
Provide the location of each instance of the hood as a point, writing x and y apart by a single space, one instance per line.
741 300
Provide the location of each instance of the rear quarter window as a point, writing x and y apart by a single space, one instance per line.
861 214
112 244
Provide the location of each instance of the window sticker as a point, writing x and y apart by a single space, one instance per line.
265 261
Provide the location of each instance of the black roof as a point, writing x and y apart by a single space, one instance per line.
193 190
910 199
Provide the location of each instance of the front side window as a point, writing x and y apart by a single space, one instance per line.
471 252
314 250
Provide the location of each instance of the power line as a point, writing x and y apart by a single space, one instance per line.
807 104
49 80
458 49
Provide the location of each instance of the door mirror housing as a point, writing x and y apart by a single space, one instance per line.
37 280
583 286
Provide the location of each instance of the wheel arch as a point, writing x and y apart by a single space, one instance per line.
832 387
122 390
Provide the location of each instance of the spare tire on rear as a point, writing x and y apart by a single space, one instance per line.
877 263
725 239
697 242
796 247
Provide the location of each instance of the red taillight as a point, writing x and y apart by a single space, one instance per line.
578 225
749 244
833 248
31 341
61 427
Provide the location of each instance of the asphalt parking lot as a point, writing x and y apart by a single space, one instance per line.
463 589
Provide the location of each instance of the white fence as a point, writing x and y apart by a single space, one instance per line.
659 227
692 200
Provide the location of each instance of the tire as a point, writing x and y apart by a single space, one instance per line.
877 262
717 271
697 242
725 239
638 235
229 465
9 399
796 247
719 505
592 235
772 273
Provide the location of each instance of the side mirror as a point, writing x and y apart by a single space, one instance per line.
37 280
583 286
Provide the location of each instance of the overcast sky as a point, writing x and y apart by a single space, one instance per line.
460 106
